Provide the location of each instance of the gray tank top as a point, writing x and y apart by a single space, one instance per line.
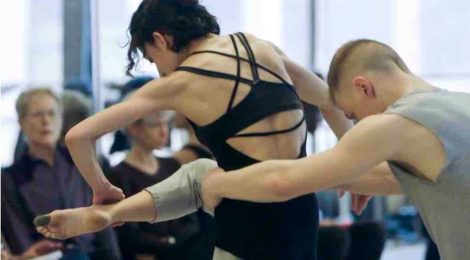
444 205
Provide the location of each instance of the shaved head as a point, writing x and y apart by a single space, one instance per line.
361 56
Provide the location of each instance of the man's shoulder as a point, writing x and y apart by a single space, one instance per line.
393 131
397 125
383 131
6 170
18 172
11 178
384 122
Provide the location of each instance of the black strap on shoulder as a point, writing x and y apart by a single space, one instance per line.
237 81
214 74
243 59
251 56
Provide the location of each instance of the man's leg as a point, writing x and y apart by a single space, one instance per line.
179 194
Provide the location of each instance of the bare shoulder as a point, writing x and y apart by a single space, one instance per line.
269 55
381 121
388 133
380 129
165 90
263 44
393 126
253 38
172 84
389 124
265 51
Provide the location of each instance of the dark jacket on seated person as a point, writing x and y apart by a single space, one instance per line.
31 187
166 240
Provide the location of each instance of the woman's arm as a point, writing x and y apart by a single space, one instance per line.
314 91
154 96
174 197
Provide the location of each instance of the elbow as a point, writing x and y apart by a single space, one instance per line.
73 137
70 138
280 187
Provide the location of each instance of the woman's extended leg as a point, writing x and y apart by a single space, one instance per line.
172 198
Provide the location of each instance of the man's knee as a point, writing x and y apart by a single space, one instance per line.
200 167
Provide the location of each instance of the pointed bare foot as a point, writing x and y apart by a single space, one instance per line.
63 224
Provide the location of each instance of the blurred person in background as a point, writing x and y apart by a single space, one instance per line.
76 107
140 169
192 150
44 179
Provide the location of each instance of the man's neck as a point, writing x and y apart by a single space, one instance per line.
405 85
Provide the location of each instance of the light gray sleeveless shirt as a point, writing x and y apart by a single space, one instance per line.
444 205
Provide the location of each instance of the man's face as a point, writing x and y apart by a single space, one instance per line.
43 121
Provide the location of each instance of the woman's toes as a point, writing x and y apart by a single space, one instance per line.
40 230
42 220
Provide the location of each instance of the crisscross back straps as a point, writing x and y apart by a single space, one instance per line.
214 74
290 129
251 56
237 81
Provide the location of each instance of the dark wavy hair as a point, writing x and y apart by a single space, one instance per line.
184 20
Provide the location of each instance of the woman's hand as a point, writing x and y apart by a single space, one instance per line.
358 202
109 194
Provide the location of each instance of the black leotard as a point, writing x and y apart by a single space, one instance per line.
249 230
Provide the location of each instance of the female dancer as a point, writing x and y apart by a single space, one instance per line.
243 98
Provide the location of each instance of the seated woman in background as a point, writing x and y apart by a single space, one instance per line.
140 169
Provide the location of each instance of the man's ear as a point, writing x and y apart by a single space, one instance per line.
364 85
21 123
